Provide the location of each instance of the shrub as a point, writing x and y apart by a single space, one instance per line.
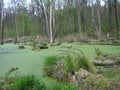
27 83
62 67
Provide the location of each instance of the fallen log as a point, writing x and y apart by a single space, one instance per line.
104 63
10 71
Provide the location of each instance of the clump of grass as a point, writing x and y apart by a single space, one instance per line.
98 51
64 66
69 64
27 83
83 62
49 65
49 61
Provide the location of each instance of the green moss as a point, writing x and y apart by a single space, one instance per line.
32 62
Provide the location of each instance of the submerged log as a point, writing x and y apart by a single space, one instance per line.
21 47
10 71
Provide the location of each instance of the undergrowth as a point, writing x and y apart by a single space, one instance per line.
27 83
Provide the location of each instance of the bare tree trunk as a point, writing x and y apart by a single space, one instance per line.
99 19
79 18
110 15
23 29
46 20
52 21
2 21
93 18
16 27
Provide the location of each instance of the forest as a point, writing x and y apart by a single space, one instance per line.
59 44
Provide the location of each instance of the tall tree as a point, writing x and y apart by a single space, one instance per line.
2 21
99 19
52 21
110 14
93 17
79 18
16 22
116 17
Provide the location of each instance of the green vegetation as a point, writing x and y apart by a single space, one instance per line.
31 62
50 61
98 52
27 83
63 86
60 65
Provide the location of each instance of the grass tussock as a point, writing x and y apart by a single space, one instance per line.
64 66
51 60
27 83
98 52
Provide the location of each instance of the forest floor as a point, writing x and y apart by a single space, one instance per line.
31 62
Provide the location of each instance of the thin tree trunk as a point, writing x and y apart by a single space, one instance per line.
99 19
116 17
52 21
51 33
79 18
110 15
93 18
46 20
23 29
2 21
16 27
